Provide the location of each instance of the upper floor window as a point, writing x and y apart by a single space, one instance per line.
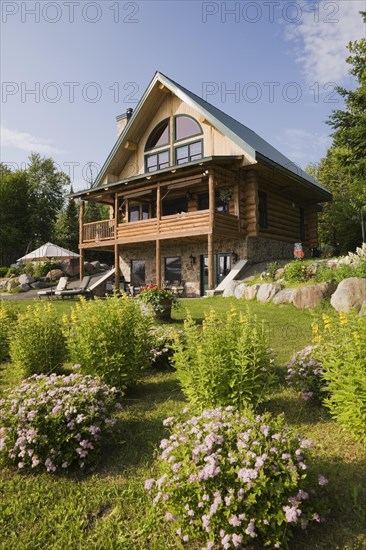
185 127
157 161
189 152
159 136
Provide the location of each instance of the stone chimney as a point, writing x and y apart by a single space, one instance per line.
122 120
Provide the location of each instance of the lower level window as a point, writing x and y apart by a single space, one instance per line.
173 269
188 153
137 272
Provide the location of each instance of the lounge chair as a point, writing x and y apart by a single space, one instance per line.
81 291
48 292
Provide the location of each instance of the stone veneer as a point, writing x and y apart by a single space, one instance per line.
260 249
256 249
190 274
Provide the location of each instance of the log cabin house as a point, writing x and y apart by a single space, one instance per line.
192 191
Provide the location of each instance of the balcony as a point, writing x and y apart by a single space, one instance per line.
185 224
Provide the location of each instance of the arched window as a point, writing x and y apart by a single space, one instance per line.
185 127
159 136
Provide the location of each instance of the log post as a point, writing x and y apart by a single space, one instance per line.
116 266
212 210
81 238
211 283
158 244
158 263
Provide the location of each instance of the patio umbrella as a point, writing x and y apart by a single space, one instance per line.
48 252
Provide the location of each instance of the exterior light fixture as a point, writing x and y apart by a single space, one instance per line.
192 260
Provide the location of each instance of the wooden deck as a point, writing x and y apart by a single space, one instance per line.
185 224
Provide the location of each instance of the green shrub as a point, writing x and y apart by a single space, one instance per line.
271 269
224 363
29 268
37 343
228 478
42 268
3 271
295 272
342 354
337 274
110 338
8 316
13 271
51 423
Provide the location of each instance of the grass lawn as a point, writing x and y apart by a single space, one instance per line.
110 510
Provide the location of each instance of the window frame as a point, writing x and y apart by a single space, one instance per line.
187 137
131 273
189 156
165 267
157 153
262 194
147 149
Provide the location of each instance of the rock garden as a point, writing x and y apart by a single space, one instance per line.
307 284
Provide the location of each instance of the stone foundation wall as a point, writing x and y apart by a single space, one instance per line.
260 249
190 274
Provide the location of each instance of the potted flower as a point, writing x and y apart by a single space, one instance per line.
160 300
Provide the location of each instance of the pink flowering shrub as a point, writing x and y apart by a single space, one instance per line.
229 479
55 422
304 373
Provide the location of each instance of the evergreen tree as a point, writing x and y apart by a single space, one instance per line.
67 226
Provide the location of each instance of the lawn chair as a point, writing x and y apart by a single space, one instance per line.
81 291
49 292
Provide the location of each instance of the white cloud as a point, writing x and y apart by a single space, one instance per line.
27 142
303 147
320 38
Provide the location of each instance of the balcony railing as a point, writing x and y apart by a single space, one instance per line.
176 225
98 231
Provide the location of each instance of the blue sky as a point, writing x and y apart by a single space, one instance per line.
69 67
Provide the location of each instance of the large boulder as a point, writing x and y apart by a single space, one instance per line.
89 267
39 284
71 267
284 296
250 292
267 291
363 309
230 289
312 296
351 293
24 288
96 265
55 274
26 279
239 290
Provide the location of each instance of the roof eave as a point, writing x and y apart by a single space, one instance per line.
325 194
